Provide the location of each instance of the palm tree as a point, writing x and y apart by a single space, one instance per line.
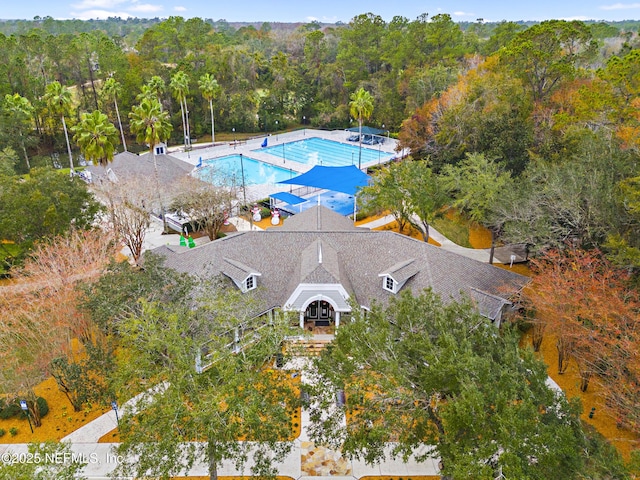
180 86
152 90
151 126
58 99
97 137
146 92
361 106
157 87
20 113
112 89
210 89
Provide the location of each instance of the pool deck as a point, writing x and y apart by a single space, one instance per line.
251 148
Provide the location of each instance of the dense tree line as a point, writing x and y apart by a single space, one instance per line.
532 130
264 74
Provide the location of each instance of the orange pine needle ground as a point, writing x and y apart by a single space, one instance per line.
241 478
479 236
624 440
58 423
408 230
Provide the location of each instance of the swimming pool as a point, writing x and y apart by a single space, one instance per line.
341 203
228 171
318 151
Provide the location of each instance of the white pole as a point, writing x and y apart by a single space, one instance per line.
355 199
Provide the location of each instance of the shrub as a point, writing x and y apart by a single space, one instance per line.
9 410
265 212
12 410
43 406
2 432
13 431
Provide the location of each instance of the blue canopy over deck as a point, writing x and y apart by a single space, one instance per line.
289 198
346 180
338 179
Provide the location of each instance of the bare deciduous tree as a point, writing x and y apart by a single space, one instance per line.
206 204
129 203
40 318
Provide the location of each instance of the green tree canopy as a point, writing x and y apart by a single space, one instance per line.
17 124
202 416
547 53
411 191
477 184
421 372
43 205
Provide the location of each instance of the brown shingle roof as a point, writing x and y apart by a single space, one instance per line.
127 165
361 256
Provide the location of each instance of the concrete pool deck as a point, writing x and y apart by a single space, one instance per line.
251 148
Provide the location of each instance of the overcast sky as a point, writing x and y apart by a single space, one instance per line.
322 10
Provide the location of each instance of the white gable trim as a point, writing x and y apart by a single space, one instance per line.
305 293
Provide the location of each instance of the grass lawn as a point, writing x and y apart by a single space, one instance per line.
454 230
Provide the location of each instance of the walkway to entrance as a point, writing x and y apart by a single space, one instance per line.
305 460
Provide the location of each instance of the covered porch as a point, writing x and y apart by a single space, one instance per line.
321 308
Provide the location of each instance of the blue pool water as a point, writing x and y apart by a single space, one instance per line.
228 171
318 151
341 203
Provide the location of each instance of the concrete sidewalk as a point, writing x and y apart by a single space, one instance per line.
479 254
305 460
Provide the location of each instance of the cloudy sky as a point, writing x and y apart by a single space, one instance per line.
321 10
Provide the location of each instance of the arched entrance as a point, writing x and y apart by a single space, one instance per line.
319 315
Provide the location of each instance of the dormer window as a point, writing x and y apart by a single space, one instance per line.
389 284
245 278
395 277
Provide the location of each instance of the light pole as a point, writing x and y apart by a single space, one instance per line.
114 407
244 190
25 408
234 137
276 130
304 125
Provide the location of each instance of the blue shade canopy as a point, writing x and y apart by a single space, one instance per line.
338 179
288 198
